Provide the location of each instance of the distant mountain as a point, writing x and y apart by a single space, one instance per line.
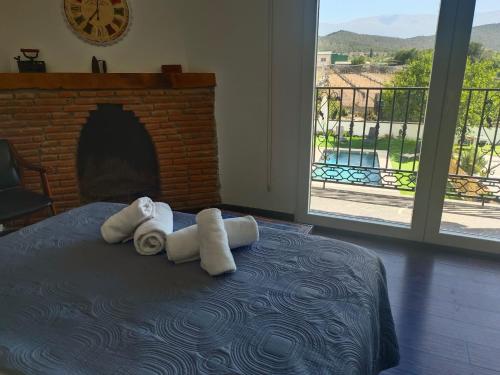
346 41
487 35
399 25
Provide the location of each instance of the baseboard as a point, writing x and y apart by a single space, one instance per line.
276 215
259 212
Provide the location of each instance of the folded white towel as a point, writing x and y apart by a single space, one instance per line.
183 246
215 254
122 225
150 236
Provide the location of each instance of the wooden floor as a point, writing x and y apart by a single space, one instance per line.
446 306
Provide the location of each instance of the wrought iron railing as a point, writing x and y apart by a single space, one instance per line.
372 136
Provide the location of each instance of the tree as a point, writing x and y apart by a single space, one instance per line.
476 51
358 60
478 74
328 101
473 164
495 57
404 56
415 74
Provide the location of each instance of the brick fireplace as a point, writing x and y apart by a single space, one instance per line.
44 115
116 157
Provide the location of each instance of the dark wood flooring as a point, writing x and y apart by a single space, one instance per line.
446 306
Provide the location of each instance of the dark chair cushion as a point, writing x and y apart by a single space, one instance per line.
18 202
9 176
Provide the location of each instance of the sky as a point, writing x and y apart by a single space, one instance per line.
335 11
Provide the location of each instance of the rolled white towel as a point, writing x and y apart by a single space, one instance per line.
215 254
183 246
241 231
150 236
122 225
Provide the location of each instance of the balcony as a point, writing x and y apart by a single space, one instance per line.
367 144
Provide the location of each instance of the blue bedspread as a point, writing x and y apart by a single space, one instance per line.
298 304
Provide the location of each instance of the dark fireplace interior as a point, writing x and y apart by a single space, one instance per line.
116 157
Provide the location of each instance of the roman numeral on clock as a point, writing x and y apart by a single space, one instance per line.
88 28
79 19
101 31
117 22
110 29
119 12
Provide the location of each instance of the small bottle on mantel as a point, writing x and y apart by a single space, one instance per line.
99 66
95 65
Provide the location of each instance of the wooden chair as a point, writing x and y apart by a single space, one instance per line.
15 200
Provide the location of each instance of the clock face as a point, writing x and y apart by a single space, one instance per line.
98 21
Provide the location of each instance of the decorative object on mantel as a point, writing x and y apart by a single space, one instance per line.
99 66
168 69
30 65
100 22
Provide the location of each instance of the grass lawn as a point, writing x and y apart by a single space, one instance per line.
396 147
482 150
395 152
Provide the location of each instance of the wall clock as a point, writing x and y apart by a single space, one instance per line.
99 22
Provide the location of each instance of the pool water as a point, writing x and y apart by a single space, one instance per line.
349 170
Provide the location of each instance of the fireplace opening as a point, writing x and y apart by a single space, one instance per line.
116 159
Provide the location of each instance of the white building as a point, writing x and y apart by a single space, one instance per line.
324 58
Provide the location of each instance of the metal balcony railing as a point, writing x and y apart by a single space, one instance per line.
372 136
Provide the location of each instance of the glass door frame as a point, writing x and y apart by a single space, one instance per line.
438 165
452 42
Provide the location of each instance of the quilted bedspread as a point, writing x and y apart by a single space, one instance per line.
298 304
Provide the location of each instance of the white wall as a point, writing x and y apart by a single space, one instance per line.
231 38
228 37
155 37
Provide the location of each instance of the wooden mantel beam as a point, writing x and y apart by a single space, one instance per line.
105 81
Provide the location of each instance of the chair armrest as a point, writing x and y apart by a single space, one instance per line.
43 174
30 166
23 163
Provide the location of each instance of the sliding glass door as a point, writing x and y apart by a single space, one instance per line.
389 109
372 85
470 212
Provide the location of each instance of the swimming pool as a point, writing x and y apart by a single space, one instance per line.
348 169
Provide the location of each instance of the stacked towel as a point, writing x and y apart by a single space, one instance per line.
183 245
122 225
215 254
150 236
151 226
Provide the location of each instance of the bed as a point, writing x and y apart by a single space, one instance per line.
298 304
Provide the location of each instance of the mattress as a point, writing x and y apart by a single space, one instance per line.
298 304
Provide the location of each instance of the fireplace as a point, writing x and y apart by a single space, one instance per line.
116 158
155 132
